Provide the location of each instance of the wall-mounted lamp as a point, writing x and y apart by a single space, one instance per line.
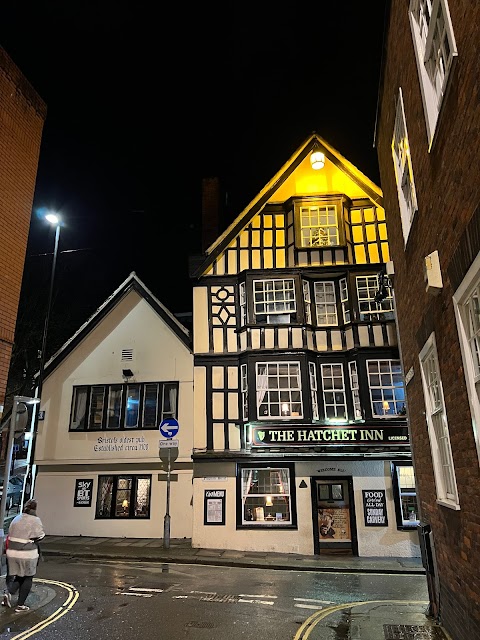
317 160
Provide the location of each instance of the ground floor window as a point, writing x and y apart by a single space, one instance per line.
123 497
266 496
405 492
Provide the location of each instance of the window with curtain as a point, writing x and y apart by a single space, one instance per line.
123 406
123 497
266 496
279 390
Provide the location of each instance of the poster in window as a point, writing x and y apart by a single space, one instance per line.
83 493
334 524
375 508
214 507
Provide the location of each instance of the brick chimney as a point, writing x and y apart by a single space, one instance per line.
210 211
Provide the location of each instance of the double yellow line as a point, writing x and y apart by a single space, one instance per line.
310 623
61 611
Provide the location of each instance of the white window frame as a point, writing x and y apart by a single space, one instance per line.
319 225
244 390
307 300
435 53
344 300
354 386
442 458
330 385
279 385
385 388
323 306
372 307
402 162
274 297
408 491
469 336
243 304
266 501
312 372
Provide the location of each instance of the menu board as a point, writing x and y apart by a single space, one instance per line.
375 508
214 507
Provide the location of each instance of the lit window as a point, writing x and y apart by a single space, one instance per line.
438 426
319 225
367 288
405 495
266 496
435 51
279 390
274 300
407 197
312 372
307 302
123 497
387 392
335 404
325 303
357 406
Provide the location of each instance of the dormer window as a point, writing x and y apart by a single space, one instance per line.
319 222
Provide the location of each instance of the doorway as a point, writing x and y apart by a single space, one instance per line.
334 527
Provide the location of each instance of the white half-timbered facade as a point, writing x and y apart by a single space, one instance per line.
300 428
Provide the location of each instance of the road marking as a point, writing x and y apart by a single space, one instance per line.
129 593
312 600
145 589
307 627
255 601
179 597
249 595
61 611
308 606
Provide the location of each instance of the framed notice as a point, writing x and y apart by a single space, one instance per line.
214 506
83 493
375 508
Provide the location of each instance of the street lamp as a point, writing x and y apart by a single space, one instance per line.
53 219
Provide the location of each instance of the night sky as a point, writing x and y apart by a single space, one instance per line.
144 103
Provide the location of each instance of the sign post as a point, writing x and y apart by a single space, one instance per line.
168 428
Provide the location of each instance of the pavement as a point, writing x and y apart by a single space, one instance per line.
379 620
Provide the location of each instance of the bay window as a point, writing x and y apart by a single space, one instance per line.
279 390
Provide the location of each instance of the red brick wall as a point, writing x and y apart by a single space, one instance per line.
22 115
448 192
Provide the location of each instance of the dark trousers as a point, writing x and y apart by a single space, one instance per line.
22 584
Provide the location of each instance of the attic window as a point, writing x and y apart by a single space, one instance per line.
319 222
127 355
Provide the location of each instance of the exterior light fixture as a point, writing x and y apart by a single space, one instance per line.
317 160
268 501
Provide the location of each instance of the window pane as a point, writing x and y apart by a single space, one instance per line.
142 504
278 390
266 496
150 406
114 406
104 497
170 394
387 390
79 408
131 411
96 408
337 492
123 499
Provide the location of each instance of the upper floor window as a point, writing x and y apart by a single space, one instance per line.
279 390
274 300
325 303
387 391
312 374
319 225
243 304
402 161
307 301
334 398
369 309
355 387
123 406
438 426
435 51
344 300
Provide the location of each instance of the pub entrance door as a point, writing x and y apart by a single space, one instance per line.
334 527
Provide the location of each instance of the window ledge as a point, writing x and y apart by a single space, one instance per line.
448 504
273 525
405 527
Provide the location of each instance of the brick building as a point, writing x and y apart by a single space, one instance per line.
427 137
22 116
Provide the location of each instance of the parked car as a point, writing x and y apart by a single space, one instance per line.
14 494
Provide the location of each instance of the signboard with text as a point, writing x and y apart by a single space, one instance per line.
83 493
301 435
214 506
375 508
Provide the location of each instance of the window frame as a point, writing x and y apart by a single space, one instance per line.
461 298
423 31
378 311
398 493
114 490
259 401
270 315
163 387
241 523
430 350
402 163
339 201
393 416
325 304
334 391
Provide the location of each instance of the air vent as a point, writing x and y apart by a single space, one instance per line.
127 355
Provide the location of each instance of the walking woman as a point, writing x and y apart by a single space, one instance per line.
24 533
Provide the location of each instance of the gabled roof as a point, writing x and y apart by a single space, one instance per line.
311 143
132 283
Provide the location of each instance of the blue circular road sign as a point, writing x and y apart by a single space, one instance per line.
169 428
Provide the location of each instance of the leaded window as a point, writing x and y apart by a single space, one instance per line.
123 497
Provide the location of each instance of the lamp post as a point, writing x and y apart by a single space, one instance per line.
54 219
